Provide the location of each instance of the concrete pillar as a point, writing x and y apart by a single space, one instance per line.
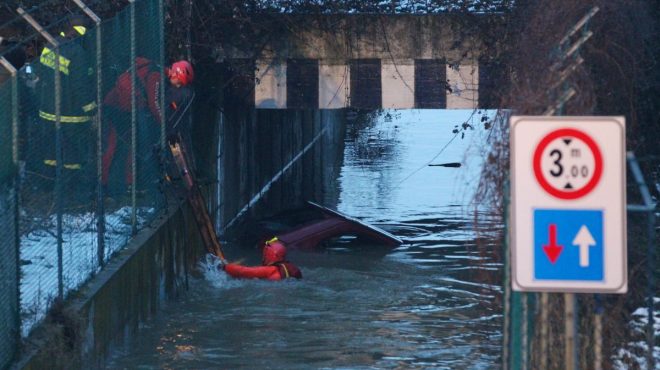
270 84
398 81
464 85
334 85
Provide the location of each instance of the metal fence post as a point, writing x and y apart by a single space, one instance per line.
133 122
14 108
161 27
16 317
100 221
17 188
100 211
650 331
189 36
59 158
649 208
58 143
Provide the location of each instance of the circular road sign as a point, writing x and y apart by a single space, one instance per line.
567 163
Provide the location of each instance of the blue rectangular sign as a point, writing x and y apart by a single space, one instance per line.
568 244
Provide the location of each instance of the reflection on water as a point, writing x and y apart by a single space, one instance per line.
431 303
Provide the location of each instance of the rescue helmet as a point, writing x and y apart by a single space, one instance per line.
274 251
182 71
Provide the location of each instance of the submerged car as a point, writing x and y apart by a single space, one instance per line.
323 224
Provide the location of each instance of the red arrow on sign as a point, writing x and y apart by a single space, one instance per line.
552 250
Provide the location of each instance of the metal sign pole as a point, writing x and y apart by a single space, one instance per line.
570 332
543 363
570 299
598 333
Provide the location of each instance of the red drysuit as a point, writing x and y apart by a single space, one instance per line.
117 105
275 267
117 116
278 271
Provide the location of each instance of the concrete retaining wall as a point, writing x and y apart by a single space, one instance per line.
108 311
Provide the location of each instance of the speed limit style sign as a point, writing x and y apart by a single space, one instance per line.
568 221
568 163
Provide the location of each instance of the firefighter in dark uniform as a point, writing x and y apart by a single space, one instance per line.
77 110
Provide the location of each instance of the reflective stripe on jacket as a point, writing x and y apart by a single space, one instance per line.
78 84
288 270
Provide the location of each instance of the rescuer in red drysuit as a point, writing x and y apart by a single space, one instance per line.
275 266
118 105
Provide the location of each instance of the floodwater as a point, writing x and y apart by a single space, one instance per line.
432 303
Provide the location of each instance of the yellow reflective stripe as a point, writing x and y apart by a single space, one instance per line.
89 107
285 270
65 119
272 240
52 162
80 29
48 59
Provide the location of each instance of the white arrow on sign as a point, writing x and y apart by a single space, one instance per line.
584 240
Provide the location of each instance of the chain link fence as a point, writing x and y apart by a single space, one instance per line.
9 319
80 153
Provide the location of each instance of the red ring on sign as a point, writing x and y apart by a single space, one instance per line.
598 159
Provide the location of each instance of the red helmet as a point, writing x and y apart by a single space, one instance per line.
183 72
274 251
